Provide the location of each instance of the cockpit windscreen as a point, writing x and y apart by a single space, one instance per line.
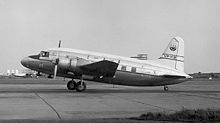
44 54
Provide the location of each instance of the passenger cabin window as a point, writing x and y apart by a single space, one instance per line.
123 68
44 54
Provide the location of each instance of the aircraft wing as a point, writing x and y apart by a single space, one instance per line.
103 68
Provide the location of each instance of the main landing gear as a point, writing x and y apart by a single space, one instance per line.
166 88
78 86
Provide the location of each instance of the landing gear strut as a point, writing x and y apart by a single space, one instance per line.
80 86
166 88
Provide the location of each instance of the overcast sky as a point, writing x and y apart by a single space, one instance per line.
120 27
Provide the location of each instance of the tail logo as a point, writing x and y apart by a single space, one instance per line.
173 48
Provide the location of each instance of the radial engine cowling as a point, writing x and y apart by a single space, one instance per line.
72 64
67 64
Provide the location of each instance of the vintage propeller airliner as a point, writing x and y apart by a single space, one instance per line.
112 69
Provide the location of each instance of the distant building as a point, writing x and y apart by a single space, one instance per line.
8 72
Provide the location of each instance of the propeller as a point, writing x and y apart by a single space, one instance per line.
55 68
56 62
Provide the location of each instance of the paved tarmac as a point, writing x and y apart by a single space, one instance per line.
49 99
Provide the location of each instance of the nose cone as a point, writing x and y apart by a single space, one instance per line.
24 61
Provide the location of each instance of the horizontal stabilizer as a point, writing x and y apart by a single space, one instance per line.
102 68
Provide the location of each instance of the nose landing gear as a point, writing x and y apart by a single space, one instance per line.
78 86
166 88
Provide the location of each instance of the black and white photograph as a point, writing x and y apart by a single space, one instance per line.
111 61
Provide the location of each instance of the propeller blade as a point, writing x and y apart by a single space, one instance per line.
56 62
55 72
59 44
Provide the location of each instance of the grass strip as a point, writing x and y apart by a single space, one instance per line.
185 115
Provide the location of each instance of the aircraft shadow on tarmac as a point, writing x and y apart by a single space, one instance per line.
145 91
104 91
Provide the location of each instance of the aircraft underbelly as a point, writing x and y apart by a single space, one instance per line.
130 79
134 79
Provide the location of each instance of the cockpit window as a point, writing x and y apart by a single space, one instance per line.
44 54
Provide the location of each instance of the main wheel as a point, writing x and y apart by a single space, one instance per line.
166 88
80 86
71 85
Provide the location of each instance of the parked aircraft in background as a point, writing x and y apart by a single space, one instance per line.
15 73
105 68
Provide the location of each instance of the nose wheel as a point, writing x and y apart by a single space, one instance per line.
166 88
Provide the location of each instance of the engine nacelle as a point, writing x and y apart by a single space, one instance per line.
71 64
67 64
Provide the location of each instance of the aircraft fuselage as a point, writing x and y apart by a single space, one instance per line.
105 68
129 71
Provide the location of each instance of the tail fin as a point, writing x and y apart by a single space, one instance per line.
173 55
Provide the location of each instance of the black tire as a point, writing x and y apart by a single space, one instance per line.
166 88
80 86
71 85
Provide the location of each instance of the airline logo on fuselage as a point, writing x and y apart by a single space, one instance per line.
173 47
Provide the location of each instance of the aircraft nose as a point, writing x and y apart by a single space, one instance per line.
24 61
